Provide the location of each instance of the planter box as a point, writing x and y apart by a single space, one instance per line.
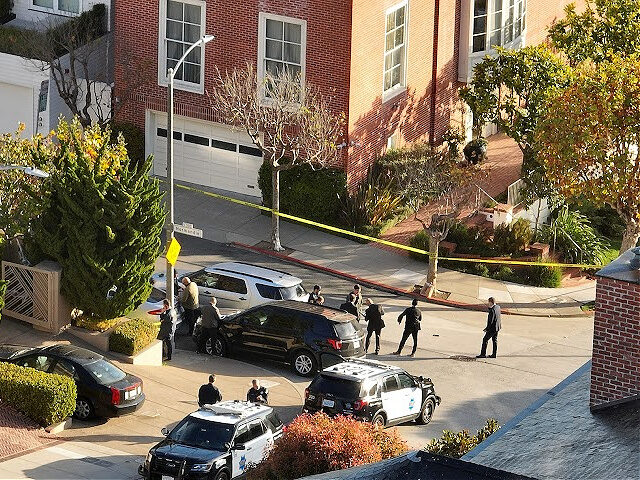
150 356
99 340
59 427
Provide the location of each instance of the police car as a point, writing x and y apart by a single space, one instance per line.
216 442
372 391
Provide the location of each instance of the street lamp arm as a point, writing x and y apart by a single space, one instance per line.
202 41
32 171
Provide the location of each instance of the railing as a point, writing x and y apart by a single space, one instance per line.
479 193
513 193
555 229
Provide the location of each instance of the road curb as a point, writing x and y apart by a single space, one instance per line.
387 288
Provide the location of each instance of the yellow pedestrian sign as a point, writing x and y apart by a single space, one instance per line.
173 251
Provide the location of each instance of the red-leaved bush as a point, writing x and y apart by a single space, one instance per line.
314 444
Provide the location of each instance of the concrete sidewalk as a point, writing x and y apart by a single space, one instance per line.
223 221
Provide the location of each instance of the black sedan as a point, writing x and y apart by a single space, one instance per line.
103 389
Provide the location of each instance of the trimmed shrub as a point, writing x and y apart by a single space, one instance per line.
456 445
132 336
540 276
305 192
510 239
93 324
44 397
505 274
314 444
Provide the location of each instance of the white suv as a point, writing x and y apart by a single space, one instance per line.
218 441
241 285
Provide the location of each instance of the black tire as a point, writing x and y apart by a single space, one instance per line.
84 409
218 347
304 363
426 413
379 420
222 475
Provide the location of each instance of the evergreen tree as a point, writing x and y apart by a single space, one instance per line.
102 221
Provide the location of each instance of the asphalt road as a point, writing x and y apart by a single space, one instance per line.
535 353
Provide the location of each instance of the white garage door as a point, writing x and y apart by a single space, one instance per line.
208 154
17 106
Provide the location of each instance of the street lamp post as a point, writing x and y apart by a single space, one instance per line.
170 220
31 171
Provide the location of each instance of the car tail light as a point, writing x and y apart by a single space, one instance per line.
115 396
360 404
306 393
336 344
157 311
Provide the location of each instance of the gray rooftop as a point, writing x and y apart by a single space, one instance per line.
559 438
621 268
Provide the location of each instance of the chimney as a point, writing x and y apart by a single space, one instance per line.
615 369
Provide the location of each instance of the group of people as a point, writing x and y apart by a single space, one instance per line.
209 394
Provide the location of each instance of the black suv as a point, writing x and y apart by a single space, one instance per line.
289 331
371 391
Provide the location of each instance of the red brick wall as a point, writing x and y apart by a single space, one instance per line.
235 25
541 14
615 369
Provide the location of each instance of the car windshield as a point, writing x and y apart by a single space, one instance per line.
200 433
104 372
280 293
338 387
347 329
289 293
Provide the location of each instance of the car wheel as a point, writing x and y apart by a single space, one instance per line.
222 475
84 409
379 420
303 363
427 412
216 347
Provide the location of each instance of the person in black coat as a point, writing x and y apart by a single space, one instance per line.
350 306
375 324
494 323
167 332
257 393
413 316
209 393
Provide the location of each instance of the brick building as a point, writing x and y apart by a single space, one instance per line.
392 66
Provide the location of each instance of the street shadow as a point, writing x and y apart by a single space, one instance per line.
122 467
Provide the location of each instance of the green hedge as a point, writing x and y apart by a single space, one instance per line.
306 193
45 397
132 336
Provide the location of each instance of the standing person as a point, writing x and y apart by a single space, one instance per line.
314 297
209 393
413 316
210 323
350 306
357 294
189 301
375 324
494 324
168 322
176 283
256 393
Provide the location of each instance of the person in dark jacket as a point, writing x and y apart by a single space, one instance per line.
494 324
256 393
210 321
350 305
167 332
209 393
314 297
375 324
413 316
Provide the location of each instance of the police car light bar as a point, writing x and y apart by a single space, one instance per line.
235 408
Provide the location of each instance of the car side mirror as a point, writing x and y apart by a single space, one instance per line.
164 431
238 446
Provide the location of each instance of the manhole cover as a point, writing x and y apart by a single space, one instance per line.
462 358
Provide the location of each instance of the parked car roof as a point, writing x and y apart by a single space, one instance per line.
357 369
78 354
331 313
231 411
7 351
275 277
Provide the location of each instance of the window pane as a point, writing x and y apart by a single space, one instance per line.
497 20
479 25
274 68
191 33
389 42
387 80
400 16
399 36
274 49
43 3
194 56
396 76
387 61
495 39
174 30
497 5
192 13
274 29
480 7
231 147
292 53
191 73
398 57
174 10
293 32
174 50
294 71
391 21
478 43
72 6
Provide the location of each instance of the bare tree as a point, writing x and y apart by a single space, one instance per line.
289 121
434 178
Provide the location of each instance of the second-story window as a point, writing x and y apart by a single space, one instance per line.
59 6
395 55
497 23
282 46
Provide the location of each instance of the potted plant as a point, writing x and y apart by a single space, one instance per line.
476 151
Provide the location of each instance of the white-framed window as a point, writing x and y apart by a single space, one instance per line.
282 44
182 23
395 49
63 7
497 23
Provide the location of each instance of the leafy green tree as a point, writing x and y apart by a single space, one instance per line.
511 90
102 221
602 29
589 137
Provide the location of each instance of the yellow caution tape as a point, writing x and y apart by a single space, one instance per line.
379 240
